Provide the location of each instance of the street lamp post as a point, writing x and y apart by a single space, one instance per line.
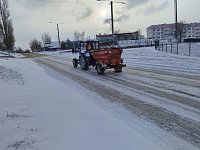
112 20
112 15
176 18
58 36
58 32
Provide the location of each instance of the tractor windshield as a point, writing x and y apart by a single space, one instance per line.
89 45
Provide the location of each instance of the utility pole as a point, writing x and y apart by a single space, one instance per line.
176 18
112 21
112 16
58 32
58 36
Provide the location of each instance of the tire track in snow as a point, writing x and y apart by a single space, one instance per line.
168 78
168 72
152 89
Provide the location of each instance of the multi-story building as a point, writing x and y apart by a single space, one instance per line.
192 30
119 36
166 32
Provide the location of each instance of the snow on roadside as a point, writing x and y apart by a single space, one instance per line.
15 55
150 58
45 113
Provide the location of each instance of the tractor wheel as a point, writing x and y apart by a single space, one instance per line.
75 62
100 69
83 63
118 69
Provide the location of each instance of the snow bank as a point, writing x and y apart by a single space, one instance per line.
15 55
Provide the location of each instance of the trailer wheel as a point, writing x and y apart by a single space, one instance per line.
83 63
118 69
100 69
75 62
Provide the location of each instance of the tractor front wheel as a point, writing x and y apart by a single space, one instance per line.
83 63
75 62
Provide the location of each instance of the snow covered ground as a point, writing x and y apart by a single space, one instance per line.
148 58
38 111
41 109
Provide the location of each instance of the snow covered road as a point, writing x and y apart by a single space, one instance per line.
170 100
148 106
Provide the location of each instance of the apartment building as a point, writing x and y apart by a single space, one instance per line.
192 30
119 36
166 32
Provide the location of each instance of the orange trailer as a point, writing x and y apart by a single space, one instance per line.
100 56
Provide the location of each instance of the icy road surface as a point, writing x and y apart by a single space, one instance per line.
153 104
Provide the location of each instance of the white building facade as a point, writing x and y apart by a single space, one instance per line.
166 32
192 30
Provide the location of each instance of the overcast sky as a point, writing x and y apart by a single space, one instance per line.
31 17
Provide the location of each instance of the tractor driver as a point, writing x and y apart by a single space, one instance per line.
89 47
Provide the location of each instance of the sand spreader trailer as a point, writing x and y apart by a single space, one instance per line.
100 56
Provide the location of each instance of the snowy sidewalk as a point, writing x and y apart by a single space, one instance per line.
44 113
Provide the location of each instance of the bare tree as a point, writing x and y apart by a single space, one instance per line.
63 45
35 45
6 27
46 38
139 33
180 30
117 31
79 36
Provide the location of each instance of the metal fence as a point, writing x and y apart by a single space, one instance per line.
141 42
186 49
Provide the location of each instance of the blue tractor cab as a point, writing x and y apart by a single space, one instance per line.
85 59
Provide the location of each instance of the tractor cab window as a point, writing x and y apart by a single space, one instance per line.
82 45
96 45
89 45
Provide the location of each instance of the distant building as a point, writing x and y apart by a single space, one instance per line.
51 46
163 32
166 32
118 36
192 30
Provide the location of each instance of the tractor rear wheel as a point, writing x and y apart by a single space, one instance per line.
118 69
100 69
83 63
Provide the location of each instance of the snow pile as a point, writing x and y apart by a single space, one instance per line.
2 54
14 55
10 76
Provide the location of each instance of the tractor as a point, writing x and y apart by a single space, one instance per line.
100 56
